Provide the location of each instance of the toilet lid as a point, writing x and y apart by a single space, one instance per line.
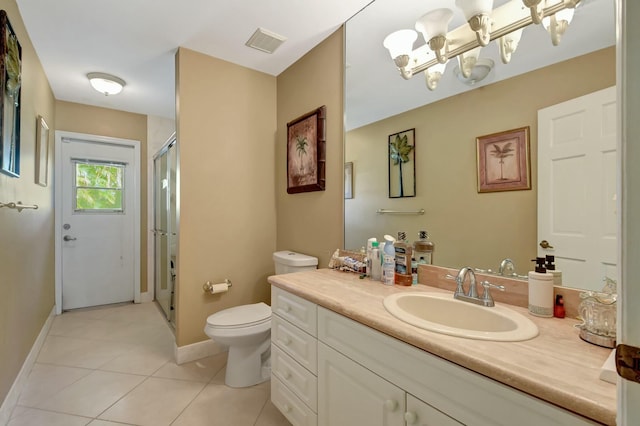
241 316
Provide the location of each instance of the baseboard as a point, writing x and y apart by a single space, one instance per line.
18 384
195 351
146 297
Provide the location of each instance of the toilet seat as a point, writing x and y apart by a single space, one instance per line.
241 316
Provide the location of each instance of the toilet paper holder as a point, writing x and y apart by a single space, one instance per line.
212 288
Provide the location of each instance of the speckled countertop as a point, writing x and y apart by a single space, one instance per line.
555 366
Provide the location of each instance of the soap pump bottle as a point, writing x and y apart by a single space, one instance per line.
375 262
541 301
388 261
551 268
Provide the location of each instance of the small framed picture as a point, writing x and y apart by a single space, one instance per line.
504 162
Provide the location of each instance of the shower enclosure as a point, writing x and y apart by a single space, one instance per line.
165 165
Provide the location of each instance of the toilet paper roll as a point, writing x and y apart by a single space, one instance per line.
219 288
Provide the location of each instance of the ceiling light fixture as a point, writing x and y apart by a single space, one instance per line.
106 84
503 24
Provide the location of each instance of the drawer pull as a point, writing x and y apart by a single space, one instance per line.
287 408
391 405
286 340
286 375
411 418
286 308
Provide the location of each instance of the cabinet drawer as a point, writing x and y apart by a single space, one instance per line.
294 309
291 406
297 378
296 343
422 414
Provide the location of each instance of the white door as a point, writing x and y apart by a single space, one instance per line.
98 214
577 188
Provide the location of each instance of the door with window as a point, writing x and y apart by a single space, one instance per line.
99 196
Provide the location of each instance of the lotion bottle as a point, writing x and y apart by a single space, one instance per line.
551 268
541 301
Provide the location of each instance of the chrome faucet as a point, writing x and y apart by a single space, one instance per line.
472 295
506 264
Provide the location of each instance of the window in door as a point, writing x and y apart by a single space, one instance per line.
98 187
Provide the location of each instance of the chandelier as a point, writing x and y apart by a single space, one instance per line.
504 25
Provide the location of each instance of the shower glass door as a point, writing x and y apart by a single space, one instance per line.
165 225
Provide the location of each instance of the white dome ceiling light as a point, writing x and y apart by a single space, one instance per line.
106 84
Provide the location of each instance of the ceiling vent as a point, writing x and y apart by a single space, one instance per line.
265 40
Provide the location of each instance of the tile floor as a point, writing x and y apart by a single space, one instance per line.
114 366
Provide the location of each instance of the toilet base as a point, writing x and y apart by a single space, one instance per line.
248 366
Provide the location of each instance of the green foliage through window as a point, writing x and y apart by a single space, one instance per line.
99 186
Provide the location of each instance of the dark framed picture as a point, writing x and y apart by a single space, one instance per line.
504 162
306 152
402 164
10 86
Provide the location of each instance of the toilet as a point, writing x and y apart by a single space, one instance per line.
246 329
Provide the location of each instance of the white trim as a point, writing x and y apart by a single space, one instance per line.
58 203
195 351
11 399
146 297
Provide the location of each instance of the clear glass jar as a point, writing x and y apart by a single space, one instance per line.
598 311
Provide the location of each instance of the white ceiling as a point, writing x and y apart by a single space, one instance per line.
137 40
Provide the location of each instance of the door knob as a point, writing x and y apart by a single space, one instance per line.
545 244
69 238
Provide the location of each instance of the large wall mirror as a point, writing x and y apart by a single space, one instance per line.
468 228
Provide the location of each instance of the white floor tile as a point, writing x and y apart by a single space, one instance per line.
201 370
225 405
92 394
47 380
77 352
142 360
107 423
156 402
24 416
271 416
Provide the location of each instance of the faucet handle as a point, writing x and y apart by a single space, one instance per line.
459 288
486 294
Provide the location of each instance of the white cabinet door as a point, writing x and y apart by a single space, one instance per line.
422 414
349 394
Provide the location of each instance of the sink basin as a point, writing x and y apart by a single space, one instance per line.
442 313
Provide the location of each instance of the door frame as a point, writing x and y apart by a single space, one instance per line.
58 207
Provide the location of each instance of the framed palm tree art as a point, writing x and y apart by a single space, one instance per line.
504 162
306 152
402 164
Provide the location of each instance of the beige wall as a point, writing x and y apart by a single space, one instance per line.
226 126
467 228
26 238
311 222
72 117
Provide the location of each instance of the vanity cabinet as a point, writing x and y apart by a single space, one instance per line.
365 377
294 351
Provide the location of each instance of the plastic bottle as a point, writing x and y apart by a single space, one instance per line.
403 260
414 271
541 301
423 248
388 261
376 262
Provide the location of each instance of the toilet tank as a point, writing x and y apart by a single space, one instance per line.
287 261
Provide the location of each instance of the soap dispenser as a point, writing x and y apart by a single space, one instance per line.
551 268
540 290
